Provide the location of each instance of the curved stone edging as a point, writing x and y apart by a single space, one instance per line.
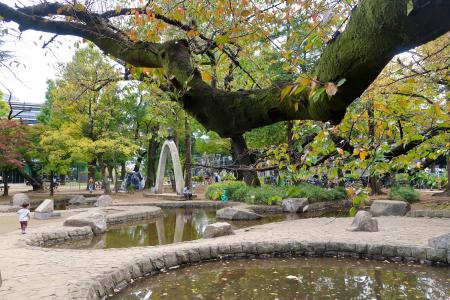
429 213
180 204
58 236
153 263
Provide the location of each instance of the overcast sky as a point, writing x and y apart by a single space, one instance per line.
38 64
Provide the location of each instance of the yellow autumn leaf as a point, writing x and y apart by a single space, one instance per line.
245 13
437 109
285 91
296 106
304 81
362 154
206 76
355 151
340 151
350 192
191 33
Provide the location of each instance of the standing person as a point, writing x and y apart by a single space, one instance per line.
91 184
24 216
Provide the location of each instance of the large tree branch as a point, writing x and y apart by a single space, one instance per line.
376 31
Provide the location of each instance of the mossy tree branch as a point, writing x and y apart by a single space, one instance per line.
376 31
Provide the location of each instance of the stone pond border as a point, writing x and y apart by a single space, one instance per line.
190 253
429 214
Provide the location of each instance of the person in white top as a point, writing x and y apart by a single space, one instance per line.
24 216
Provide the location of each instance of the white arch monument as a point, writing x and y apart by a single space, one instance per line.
169 146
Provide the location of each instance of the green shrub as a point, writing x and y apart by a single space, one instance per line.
272 195
316 193
404 193
214 191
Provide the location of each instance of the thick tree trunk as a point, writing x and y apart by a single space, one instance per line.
52 185
5 182
244 159
152 152
62 179
188 154
35 181
105 175
123 171
92 168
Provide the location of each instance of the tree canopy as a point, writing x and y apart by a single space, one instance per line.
185 44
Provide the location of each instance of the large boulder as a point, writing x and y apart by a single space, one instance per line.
94 218
389 208
440 242
363 221
104 200
217 229
77 200
234 213
19 199
294 205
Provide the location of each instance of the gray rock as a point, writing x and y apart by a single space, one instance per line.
46 215
78 200
294 205
217 229
389 208
440 242
8 208
363 221
94 218
234 213
19 199
46 206
104 200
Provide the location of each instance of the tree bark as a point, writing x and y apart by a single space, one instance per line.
92 168
5 182
152 152
376 31
123 171
244 159
62 179
52 185
188 154
35 181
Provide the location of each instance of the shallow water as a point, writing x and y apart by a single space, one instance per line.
177 225
295 278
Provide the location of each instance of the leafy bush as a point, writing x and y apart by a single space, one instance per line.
272 195
214 191
316 193
404 193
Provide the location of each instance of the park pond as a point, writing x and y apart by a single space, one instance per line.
176 225
294 278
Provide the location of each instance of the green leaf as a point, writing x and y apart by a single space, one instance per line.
341 82
409 7
352 212
222 39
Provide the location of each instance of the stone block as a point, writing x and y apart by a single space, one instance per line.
435 254
389 208
374 249
293 205
363 221
419 252
78 200
404 251
389 251
19 199
93 218
104 200
441 242
217 229
46 206
234 213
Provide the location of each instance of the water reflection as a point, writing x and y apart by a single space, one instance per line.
299 278
175 226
